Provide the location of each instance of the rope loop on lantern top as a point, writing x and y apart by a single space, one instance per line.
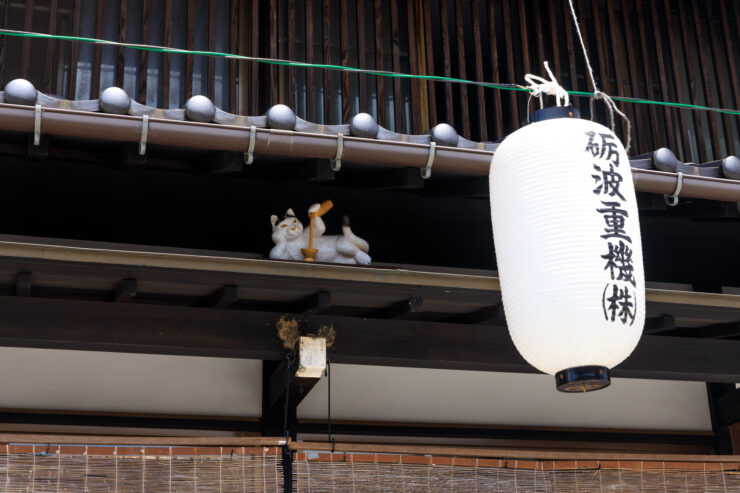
539 86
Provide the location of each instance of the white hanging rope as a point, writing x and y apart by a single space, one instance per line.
610 104
539 86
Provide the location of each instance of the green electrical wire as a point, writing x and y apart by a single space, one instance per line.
342 68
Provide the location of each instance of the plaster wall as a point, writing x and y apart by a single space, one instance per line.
140 383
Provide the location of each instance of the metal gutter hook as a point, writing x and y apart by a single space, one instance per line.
37 125
426 171
249 155
673 202
144 134
336 163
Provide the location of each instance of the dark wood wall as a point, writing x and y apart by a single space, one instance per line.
668 50
672 50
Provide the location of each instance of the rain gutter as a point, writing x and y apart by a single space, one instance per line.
216 137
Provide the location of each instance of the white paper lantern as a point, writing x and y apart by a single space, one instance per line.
568 247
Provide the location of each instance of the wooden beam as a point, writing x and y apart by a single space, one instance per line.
23 284
659 324
400 309
158 329
223 297
493 314
714 331
724 409
125 292
223 163
384 179
315 303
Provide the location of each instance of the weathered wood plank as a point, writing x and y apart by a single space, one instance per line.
234 48
416 104
51 58
209 82
396 50
157 329
165 56
379 81
510 55
344 42
461 69
429 52
361 53
478 45
27 26
190 45
120 57
291 54
326 38
95 86
143 60
447 62
495 69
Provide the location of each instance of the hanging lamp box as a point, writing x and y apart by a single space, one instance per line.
567 239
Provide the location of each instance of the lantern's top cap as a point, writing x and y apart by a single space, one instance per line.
553 112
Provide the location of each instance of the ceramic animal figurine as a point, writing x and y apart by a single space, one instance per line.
290 238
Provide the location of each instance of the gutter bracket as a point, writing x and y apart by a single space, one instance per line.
144 134
336 163
37 125
426 171
672 200
249 155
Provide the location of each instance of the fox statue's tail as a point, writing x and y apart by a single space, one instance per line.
352 238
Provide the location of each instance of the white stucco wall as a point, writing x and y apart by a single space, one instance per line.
137 383
468 397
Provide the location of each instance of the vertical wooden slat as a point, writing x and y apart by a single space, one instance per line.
190 42
326 38
708 153
429 52
569 39
361 52
495 69
166 57
450 113
725 95
291 55
601 60
143 61
510 58
396 49
416 104
255 81
614 35
540 34
210 81
662 67
344 27
525 54
122 39
234 49
478 45
460 31
309 59
554 27
51 58
28 26
6 6
675 56
694 116
380 92
95 89
643 132
729 35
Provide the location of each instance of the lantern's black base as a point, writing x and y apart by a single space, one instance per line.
582 379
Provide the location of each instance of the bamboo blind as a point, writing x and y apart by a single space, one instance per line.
76 468
362 472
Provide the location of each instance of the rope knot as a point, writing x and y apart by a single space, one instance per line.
539 86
